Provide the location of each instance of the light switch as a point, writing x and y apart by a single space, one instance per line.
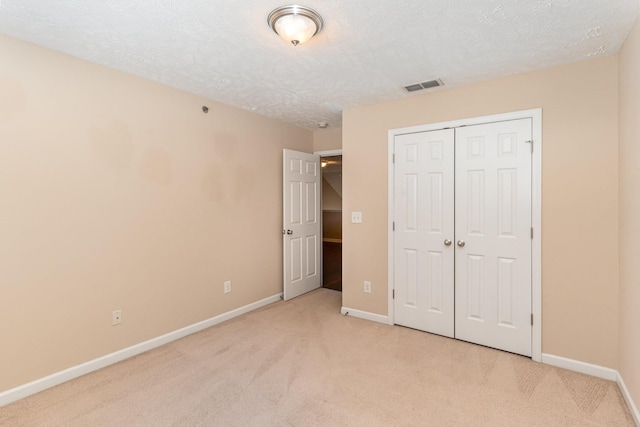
356 217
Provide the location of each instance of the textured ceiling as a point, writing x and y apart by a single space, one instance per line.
367 51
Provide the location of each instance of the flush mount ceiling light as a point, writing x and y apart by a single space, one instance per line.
295 24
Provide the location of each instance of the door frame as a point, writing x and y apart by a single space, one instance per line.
536 209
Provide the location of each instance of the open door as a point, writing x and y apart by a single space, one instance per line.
301 223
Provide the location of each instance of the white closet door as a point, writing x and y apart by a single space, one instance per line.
493 235
424 207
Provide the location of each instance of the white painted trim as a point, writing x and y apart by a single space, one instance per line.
536 243
327 153
627 397
536 209
515 115
578 366
595 371
52 380
390 225
365 315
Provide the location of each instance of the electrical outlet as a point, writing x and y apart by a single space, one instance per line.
367 286
227 286
116 317
356 217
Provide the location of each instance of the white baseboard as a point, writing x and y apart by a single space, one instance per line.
52 380
627 397
365 315
582 367
595 371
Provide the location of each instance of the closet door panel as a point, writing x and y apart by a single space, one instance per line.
424 214
493 235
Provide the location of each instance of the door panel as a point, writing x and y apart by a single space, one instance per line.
301 223
424 293
295 245
493 219
312 256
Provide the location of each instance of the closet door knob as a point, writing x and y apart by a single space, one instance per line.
447 242
460 243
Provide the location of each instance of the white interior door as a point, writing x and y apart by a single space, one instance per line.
301 223
493 235
424 254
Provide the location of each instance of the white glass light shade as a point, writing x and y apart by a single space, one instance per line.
295 24
295 29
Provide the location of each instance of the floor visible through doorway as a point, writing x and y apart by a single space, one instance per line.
332 265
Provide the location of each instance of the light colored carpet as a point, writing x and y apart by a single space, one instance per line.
302 363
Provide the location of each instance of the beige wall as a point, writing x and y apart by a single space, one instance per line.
630 213
579 185
119 193
327 139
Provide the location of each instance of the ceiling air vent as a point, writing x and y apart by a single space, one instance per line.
425 85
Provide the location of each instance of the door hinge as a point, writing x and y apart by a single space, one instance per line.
531 319
393 226
530 142
532 232
393 158
393 294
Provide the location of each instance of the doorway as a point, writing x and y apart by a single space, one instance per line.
331 166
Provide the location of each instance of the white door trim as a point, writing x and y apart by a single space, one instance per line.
536 210
327 153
